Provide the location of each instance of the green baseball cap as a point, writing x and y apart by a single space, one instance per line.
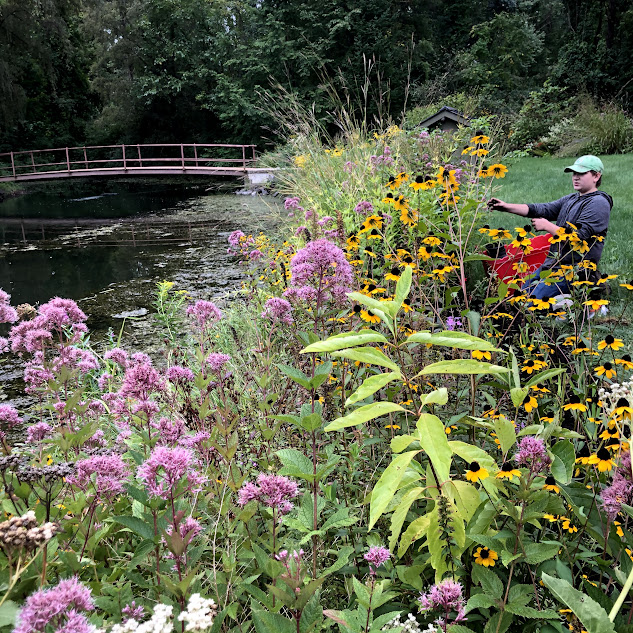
585 164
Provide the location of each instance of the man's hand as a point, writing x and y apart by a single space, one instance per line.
494 204
541 224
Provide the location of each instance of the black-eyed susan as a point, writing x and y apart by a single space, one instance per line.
500 234
566 524
611 343
450 428
628 285
611 432
374 234
524 231
580 348
602 460
583 455
480 139
388 199
498 170
395 427
550 484
623 409
432 240
353 242
481 355
393 274
618 530
606 369
508 471
605 277
369 317
393 182
595 304
532 365
485 556
541 304
552 518
625 361
476 472
446 177
422 184
406 305
408 216
539 387
575 404
529 403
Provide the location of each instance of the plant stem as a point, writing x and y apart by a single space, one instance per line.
621 597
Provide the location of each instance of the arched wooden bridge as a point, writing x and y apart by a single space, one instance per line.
170 159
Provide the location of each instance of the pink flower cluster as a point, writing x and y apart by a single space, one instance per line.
278 310
7 313
275 491
446 596
320 271
533 454
141 379
376 556
58 607
104 475
167 468
216 361
204 313
621 489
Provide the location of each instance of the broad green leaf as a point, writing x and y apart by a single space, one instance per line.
472 453
466 498
593 617
371 385
439 396
536 553
545 375
489 581
377 307
342 341
267 622
433 440
400 442
294 462
403 286
506 434
400 514
456 340
518 395
463 366
529 612
481 601
138 526
386 486
8 611
564 461
311 422
363 414
295 374
341 560
369 355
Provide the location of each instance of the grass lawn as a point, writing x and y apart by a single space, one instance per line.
543 180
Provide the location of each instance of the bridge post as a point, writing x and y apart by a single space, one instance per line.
195 153
33 162
182 156
124 162
85 157
140 160
244 157
12 165
67 160
254 155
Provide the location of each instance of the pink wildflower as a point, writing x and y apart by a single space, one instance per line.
533 454
275 491
141 380
364 207
179 375
132 612
205 313
216 361
446 596
37 432
166 468
118 355
376 556
278 310
105 475
7 313
9 417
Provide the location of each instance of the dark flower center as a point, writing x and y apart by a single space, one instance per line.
603 454
357 309
607 365
507 467
609 340
474 467
485 553
574 399
622 402
550 481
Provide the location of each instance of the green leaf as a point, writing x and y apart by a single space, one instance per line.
400 514
138 526
295 374
416 530
295 462
456 340
593 617
371 385
363 414
267 622
433 440
472 453
379 308
463 366
369 355
518 395
439 396
564 461
529 612
386 486
489 581
8 611
347 339
466 498
403 286
481 601
506 434
545 375
342 558
400 442
536 553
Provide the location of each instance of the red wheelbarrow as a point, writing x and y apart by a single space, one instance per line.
505 268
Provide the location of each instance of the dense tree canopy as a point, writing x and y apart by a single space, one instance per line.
97 71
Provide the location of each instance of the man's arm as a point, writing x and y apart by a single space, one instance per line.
507 207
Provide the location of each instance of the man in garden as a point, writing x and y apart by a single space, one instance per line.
583 217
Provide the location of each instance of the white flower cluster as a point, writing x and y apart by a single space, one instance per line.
160 622
616 391
410 625
199 614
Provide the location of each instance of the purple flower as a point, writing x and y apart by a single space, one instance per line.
169 431
102 474
141 380
620 491
58 606
118 355
446 597
132 612
275 491
9 417
278 310
364 207
533 454
37 432
7 313
4 345
166 468
325 220
291 203
205 313
322 269
235 238
376 556
216 361
453 322
61 313
177 374
300 229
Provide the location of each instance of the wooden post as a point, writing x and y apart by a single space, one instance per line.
140 160
124 162
133 238
254 155
23 235
85 157
67 160
195 153
12 164
33 162
182 156
244 157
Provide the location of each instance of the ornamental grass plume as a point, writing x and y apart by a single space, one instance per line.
169 469
59 606
320 272
275 491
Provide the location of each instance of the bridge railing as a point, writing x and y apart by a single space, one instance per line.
148 156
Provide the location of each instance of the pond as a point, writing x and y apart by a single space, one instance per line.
107 245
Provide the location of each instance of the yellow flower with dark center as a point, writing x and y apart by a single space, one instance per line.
480 152
610 433
500 234
353 242
423 254
408 216
580 348
372 222
566 524
407 260
446 177
431 240
623 409
374 235
625 361
498 170
369 317
606 370
440 273
475 472
540 388
584 455
392 426
406 305
628 285
370 288
529 403
481 355
484 230
524 231
447 197
484 173
541 304
618 530
610 342
508 471
605 277
575 404
603 460
393 183
518 241
531 365
393 274
485 556
449 429
480 139
422 183
596 304
579 246
552 518
402 177
550 484
388 199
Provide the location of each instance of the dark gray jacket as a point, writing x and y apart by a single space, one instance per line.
589 213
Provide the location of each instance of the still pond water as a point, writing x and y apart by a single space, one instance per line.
106 245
